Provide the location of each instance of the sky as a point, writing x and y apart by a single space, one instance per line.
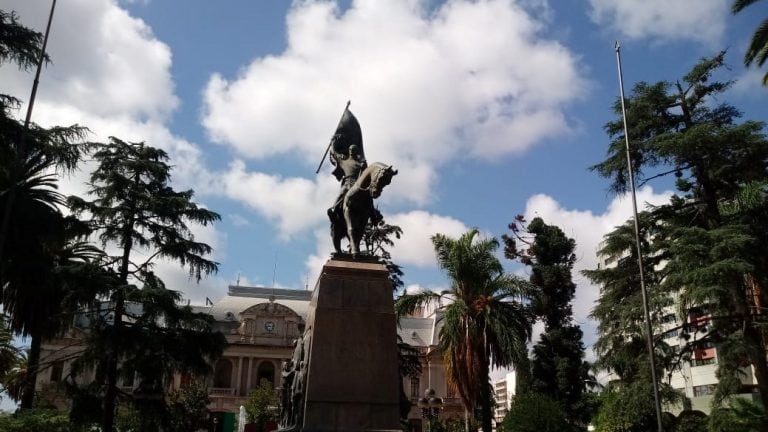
487 108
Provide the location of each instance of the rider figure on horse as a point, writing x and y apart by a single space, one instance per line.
348 169
360 184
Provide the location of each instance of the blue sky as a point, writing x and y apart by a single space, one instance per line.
488 108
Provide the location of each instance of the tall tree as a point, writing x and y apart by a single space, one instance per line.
18 44
757 52
485 319
558 369
712 233
135 209
40 248
627 402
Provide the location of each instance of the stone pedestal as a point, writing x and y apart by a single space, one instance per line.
352 378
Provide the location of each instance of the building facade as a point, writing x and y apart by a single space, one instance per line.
503 393
261 326
695 376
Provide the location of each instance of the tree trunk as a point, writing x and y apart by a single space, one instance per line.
33 364
110 395
485 399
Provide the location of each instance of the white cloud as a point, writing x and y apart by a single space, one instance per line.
750 83
295 203
104 61
588 229
315 262
426 87
238 220
415 247
696 20
111 74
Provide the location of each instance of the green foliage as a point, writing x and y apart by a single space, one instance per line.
485 320
18 44
690 421
743 415
626 408
706 246
378 238
9 354
535 412
188 407
35 420
261 406
128 419
142 327
557 368
452 425
42 258
757 51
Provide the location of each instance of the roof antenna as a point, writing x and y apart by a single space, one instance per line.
237 282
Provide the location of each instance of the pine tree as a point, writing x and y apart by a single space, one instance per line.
144 332
558 369
712 233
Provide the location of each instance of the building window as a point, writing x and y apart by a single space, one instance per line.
704 362
266 371
415 387
703 390
669 318
222 375
57 370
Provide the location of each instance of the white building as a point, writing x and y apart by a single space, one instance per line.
504 393
260 325
695 378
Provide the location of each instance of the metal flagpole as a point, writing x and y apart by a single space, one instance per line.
23 138
648 328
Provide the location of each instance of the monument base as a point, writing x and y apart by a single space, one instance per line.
352 377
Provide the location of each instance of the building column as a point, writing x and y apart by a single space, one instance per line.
250 374
278 375
239 375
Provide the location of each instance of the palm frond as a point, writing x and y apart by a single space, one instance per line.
407 304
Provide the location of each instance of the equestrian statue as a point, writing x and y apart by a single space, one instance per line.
353 208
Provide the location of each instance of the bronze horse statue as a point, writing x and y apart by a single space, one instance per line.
357 207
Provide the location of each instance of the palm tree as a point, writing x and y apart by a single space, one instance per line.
9 353
757 51
486 321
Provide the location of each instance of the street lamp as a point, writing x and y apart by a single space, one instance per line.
430 407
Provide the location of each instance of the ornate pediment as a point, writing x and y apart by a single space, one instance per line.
269 323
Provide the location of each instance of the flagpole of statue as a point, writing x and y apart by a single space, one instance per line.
332 138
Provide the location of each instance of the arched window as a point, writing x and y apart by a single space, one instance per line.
266 371
222 375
